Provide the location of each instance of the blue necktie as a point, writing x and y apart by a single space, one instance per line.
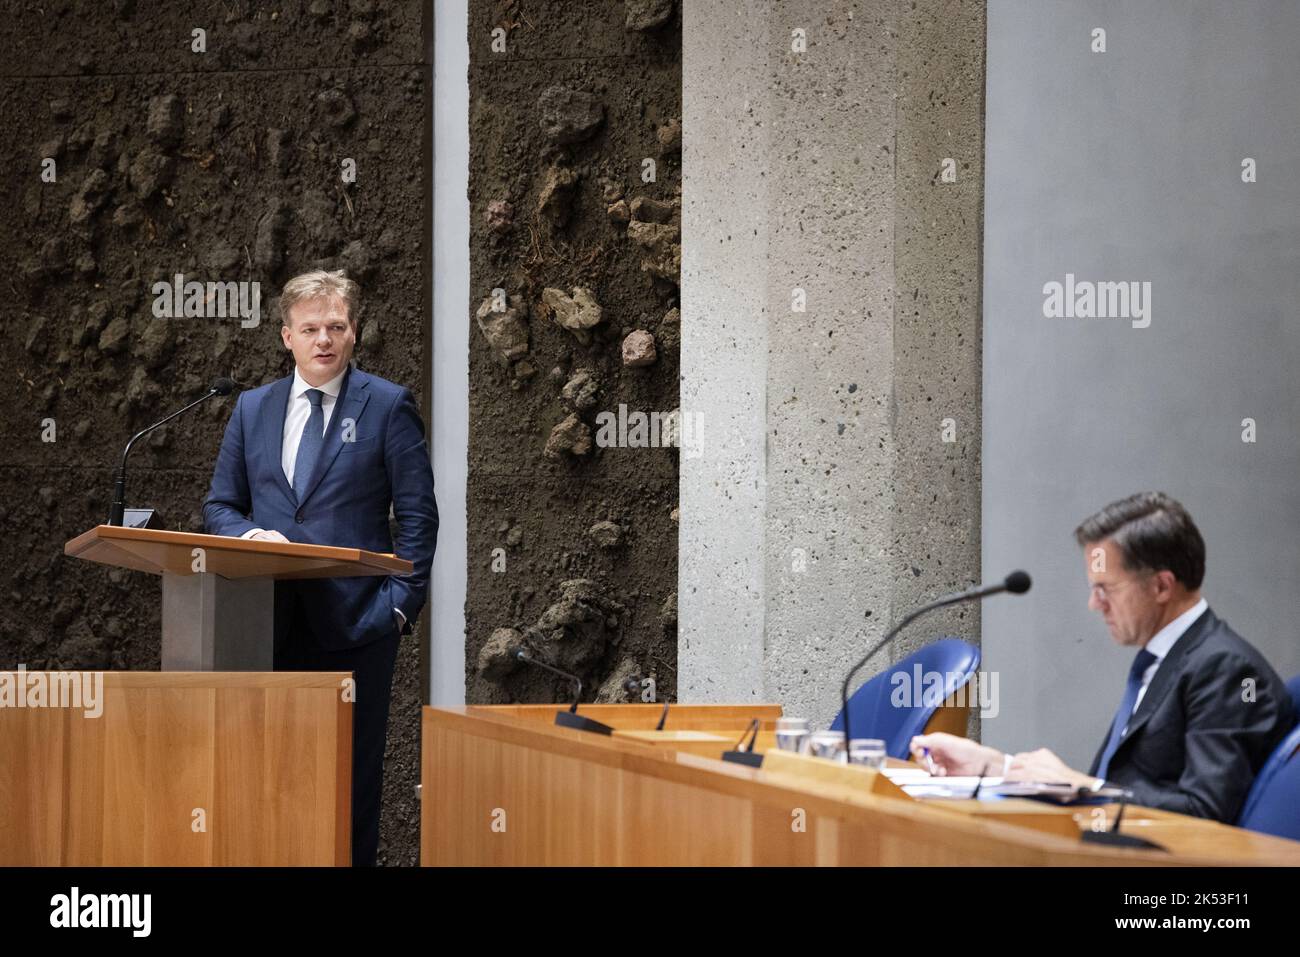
1141 663
309 446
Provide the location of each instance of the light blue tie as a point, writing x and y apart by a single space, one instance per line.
309 446
1143 661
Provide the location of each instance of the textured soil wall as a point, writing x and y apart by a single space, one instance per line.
575 193
225 164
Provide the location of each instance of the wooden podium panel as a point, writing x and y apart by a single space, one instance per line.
156 552
181 769
505 788
218 607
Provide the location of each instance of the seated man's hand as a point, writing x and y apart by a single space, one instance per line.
268 535
953 755
1045 767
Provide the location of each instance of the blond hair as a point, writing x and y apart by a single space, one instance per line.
317 284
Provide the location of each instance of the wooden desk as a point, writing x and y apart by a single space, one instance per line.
502 786
181 769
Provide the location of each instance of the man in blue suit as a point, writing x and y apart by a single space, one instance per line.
321 456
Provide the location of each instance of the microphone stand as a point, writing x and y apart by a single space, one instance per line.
848 679
569 718
1016 583
117 509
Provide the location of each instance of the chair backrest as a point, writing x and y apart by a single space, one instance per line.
897 703
1271 804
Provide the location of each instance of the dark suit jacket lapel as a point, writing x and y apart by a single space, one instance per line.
352 399
270 419
1169 670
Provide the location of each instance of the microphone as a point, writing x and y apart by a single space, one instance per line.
117 509
1017 583
570 718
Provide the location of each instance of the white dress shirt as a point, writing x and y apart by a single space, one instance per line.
295 420
1164 640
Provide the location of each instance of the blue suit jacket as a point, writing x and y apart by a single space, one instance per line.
346 504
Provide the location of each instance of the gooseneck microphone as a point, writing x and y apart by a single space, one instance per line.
569 718
1017 583
117 509
522 655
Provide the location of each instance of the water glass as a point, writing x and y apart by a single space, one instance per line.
827 744
869 752
791 734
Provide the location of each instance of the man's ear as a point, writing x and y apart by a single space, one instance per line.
1166 582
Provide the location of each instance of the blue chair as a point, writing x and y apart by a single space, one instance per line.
873 713
1271 804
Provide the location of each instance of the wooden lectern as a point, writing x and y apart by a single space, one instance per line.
225 764
218 608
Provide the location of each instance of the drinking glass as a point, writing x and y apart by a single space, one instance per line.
791 734
827 744
869 752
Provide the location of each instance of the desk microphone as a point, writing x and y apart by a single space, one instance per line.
1017 583
570 718
117 509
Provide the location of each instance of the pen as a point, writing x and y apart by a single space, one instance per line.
925 753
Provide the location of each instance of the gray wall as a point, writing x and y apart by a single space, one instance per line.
1126 165
825 503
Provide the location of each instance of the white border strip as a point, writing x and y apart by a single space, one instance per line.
450 385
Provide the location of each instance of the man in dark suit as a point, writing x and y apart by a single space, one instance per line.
322 456
1201 709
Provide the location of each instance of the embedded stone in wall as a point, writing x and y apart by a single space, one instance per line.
91 198
150 171
606 534
619 212
661 242
555 202
582 390
506 332
568 115
166 121
668 615
496 659
579 313
649 210
645 15
277 150
573 631
499 216
669 136
639 349
570 437
272 227
337 107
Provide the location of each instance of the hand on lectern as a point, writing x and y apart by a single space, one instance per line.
268 535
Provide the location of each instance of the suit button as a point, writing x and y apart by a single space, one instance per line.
300 519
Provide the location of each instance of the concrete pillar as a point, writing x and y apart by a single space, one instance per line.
830 314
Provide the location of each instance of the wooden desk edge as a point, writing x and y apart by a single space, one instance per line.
76 546
637 757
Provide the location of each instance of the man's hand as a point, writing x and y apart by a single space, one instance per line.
953 755
1044 766
267 535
